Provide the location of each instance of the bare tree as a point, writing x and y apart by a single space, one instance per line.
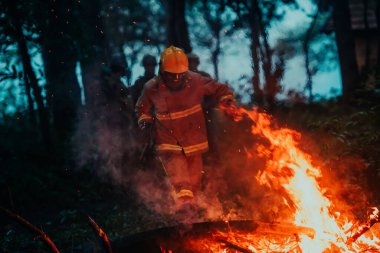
93 54
177 30
346 48
30 77
257 16
59 28
219 26
305 47
215 23
131 26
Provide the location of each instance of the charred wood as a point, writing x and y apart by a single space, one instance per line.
101 234
32 228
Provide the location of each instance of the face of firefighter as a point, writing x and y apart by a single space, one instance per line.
174 80
150 68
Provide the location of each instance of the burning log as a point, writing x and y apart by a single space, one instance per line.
283 236
102 235
235 247
213 236
373 219
31 227
284 229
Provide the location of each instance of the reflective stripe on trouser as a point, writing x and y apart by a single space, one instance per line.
185 173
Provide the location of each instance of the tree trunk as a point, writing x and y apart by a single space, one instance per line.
378 45
94 47
346 48
305 46
63 88
272 73
270 80
367 40
30 76
115 37
28 92
42 113
215 24
255 47
257 91
215 55
177 31
60 60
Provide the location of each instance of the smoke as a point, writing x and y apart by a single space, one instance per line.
107 141
230 186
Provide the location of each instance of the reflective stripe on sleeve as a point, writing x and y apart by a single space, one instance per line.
227 97
197 147
180 114
185 193
168 147
145 117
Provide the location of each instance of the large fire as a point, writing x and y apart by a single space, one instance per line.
289 170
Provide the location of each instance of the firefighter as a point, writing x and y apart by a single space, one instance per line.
194 63
170 104
149 63
114 92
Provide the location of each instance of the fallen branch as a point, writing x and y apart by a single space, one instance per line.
235 247
31 227
284 229
102 235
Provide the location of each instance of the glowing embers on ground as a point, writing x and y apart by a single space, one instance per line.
290 172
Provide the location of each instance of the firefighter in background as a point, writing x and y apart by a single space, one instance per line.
170 104
114 92
149 63
194 63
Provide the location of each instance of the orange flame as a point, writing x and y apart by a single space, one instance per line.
291 169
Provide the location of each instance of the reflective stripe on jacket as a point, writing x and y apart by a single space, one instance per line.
177 114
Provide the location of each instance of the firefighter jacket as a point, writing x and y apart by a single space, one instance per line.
177 114
136 89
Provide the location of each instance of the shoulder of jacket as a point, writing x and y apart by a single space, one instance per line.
192 75
204 74
193 78
138 80
152 83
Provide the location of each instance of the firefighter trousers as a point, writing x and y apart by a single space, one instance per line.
185 172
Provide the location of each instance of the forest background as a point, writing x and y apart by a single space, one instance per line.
314 65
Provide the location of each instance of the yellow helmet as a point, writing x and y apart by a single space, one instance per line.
174 60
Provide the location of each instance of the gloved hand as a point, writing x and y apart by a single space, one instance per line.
231 109
146 129
144 124
147 133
